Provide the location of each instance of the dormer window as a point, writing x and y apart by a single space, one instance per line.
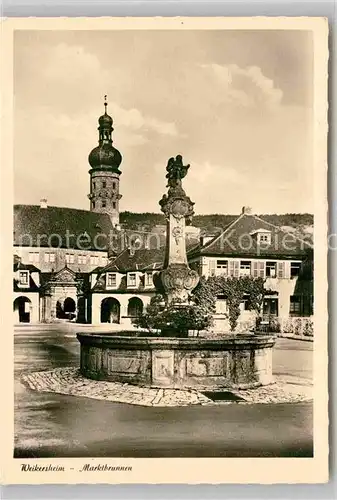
111 280
262 236
24 278
132 280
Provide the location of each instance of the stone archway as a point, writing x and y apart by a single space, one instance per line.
22 309
66 309
110 310
135 307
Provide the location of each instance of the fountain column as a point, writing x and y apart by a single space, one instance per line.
177 279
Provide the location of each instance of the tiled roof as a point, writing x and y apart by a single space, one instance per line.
237 240
34 221
140 260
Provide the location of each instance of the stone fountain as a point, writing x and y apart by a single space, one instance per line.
234 361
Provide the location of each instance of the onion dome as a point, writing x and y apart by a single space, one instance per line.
105 155
105 120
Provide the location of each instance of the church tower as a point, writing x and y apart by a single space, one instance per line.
104 173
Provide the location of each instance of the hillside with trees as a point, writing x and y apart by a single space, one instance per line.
301 224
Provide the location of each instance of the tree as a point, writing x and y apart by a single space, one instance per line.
176 320
235 289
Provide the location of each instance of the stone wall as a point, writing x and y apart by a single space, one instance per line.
236 361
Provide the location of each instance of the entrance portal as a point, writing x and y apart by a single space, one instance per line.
66 309
110 310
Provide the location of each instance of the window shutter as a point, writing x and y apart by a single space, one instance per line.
286 270
255 268
262 269
281 269
212 267
234 268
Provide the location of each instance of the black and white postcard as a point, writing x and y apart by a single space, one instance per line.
164 237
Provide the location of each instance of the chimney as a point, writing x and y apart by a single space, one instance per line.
43 203
246 210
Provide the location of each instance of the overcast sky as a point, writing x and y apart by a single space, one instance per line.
236 104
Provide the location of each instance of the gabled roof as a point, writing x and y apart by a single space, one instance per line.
237 240
65 275
25 267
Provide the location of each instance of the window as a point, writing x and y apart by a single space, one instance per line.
94 260
295 305
94 185
113 204
245 266
222 266
270 306
271 269
70 258
49 257
104 184
34 256
295 268
24 278
245 304
111 280
82 259
258 269
93 204
148 279
264 238
132 279
221 305
103 203
113 185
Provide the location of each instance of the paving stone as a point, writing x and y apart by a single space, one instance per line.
70 381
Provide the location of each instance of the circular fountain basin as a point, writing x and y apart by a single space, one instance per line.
240 361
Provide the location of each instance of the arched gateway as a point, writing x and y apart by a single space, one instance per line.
110 310
135 307
22 310
66 309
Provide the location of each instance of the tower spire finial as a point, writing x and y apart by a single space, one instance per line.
106 104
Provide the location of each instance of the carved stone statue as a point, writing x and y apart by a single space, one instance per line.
176 171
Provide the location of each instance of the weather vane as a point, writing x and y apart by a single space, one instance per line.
105 103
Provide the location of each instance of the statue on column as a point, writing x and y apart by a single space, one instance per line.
177 279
